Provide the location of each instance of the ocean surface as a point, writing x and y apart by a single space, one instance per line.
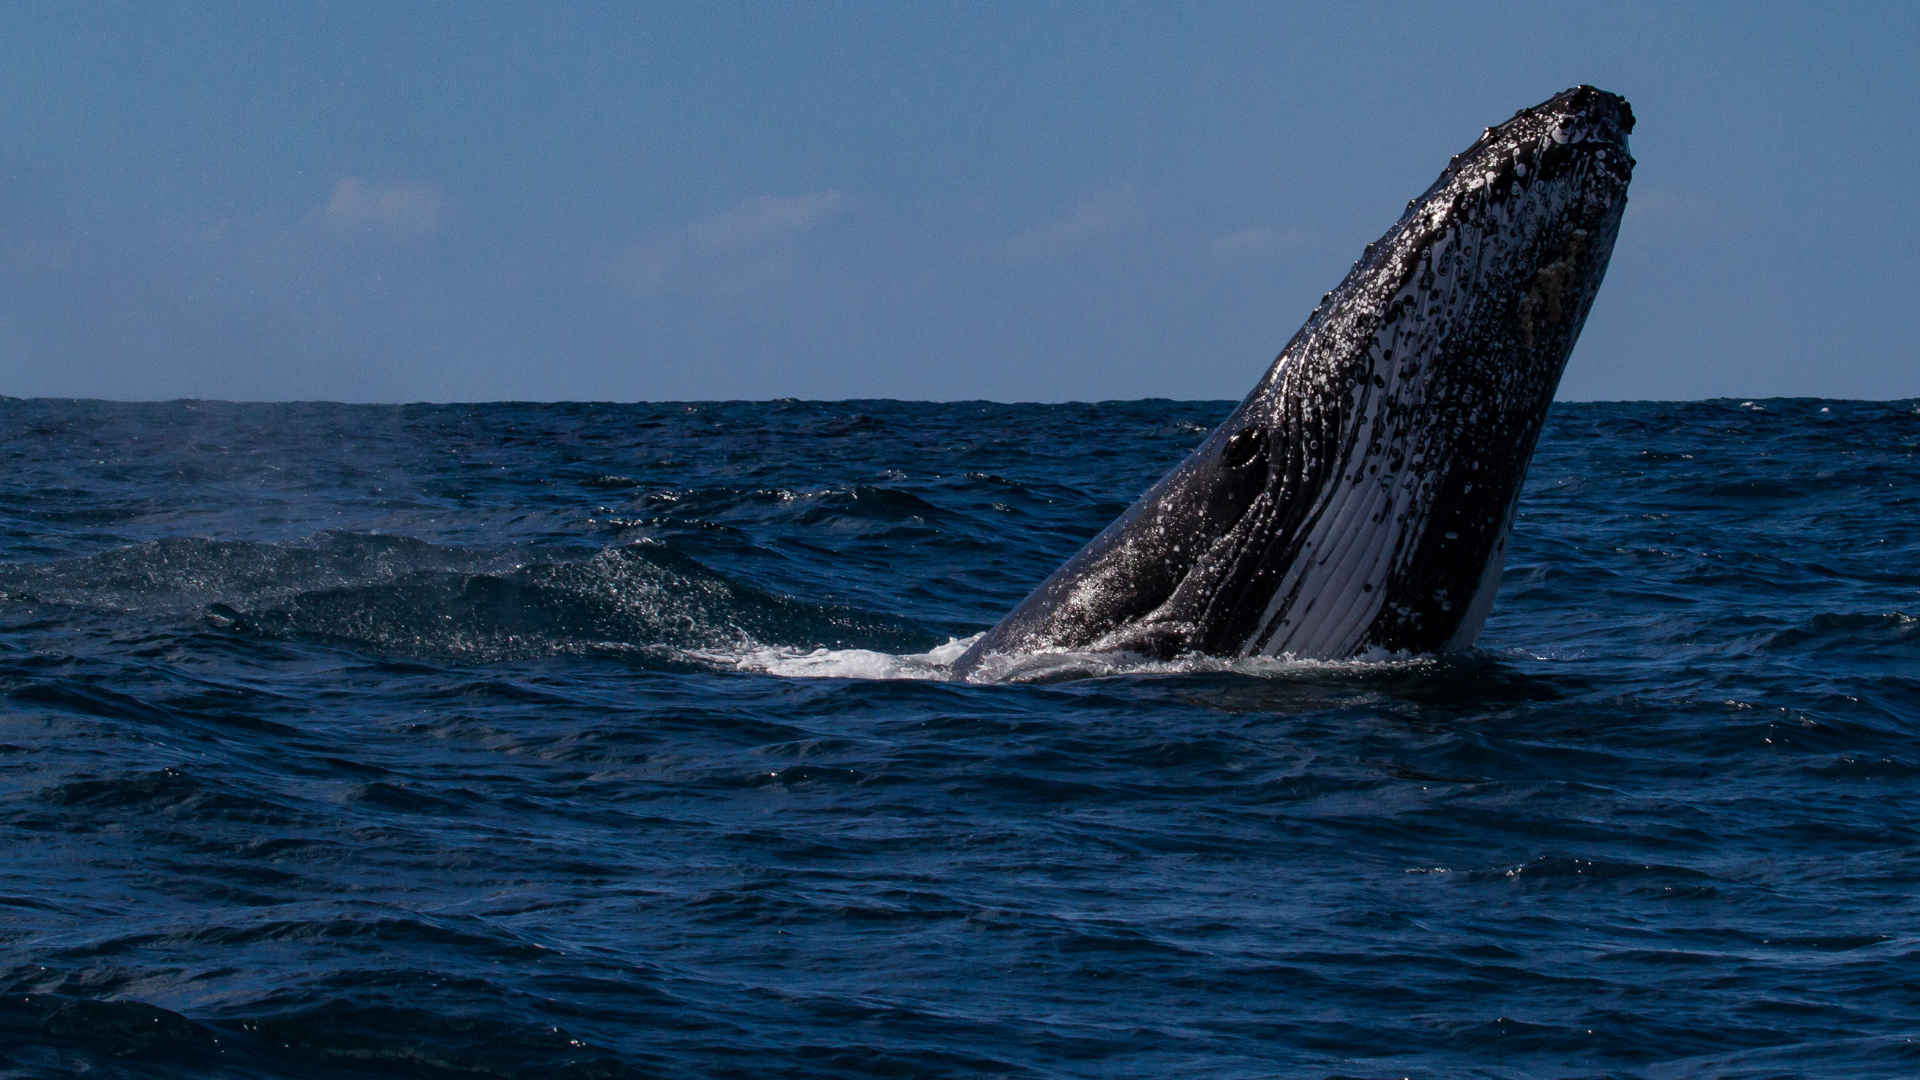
614 741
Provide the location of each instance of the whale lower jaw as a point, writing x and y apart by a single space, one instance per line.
1358 596
1332 608
1340 618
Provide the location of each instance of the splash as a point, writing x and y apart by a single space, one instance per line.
1047 667
398 596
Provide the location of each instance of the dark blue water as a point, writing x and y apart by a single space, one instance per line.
610 740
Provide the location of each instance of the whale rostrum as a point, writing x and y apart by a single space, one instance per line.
1362 495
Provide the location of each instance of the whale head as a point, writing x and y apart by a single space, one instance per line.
1361 497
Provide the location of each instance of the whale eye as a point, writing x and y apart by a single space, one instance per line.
1245 445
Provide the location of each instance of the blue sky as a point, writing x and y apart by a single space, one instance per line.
932 201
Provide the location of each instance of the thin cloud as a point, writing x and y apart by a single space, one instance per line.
1665 208
757 221
1660 218
752 226
1098 215
1259 240
647 265
399 211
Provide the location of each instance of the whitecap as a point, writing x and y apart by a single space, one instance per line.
935 663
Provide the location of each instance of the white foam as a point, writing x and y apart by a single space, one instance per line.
1060 666
1041 667
936 663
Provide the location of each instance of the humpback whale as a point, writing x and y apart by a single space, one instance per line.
1362 495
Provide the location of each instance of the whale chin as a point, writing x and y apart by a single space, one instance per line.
1362 496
